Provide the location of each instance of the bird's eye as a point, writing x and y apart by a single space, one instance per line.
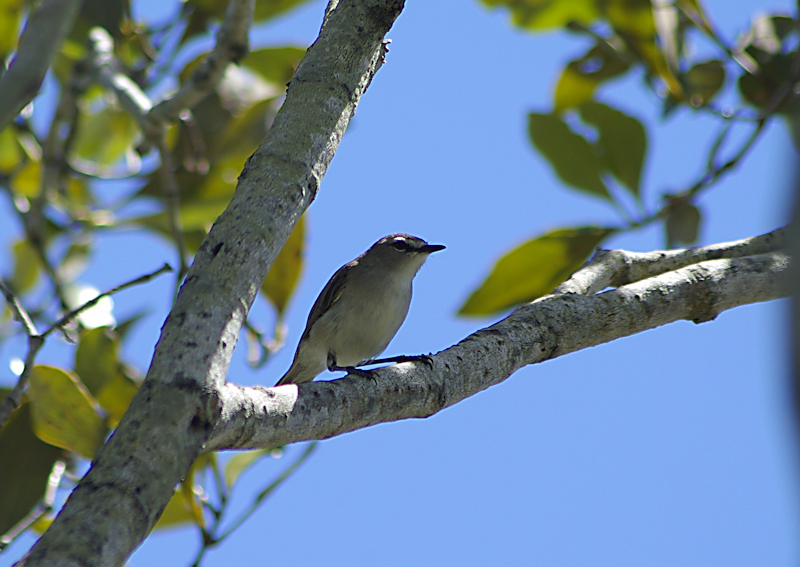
401 245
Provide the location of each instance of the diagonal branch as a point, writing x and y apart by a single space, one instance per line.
168 422
550 327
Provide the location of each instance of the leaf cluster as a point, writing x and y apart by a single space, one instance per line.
61 163
601 151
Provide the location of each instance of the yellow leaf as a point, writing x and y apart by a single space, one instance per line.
10 151
533 269
10 20
26 266
64 412
241 462
27 181
543 14
282 278
176 512
103 138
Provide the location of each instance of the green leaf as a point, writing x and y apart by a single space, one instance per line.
124 327
703 81
243 134
275 64
633 22
760 89
581 77
570 155
10 23
204 12
683 225
771 65
11 153
282 278
24 468
103 139
622 142
96 358
177 512
28 180
98 365
64 412
241 462
533 269
26 266
543 14
268 9
75 261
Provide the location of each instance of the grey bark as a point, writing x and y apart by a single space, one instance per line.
169 422
659 288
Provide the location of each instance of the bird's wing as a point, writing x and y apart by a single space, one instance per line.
330 294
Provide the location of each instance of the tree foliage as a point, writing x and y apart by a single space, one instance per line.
601 151
106 125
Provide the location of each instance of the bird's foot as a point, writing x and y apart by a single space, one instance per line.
356 371
424 358
333 367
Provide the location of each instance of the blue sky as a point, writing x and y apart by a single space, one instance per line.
673 447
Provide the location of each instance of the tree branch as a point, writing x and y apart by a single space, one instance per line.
231 45
43 35
549 327
36 340
177 407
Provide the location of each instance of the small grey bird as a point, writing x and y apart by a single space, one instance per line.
360 309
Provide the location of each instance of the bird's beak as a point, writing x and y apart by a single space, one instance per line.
430 248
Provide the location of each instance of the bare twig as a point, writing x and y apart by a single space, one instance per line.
92 302
35 343
169 188
231 46
19 311
36 340
211 540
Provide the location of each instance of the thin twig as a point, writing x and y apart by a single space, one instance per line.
35 343
210 540
169 187
231 45
19 311
92 302
14 399
36 340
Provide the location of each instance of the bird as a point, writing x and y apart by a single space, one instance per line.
360 309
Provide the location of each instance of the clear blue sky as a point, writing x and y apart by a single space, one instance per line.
673 447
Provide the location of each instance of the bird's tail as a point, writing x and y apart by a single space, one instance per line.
295 375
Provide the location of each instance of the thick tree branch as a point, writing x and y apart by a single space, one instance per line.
613 268
169 421
552 326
